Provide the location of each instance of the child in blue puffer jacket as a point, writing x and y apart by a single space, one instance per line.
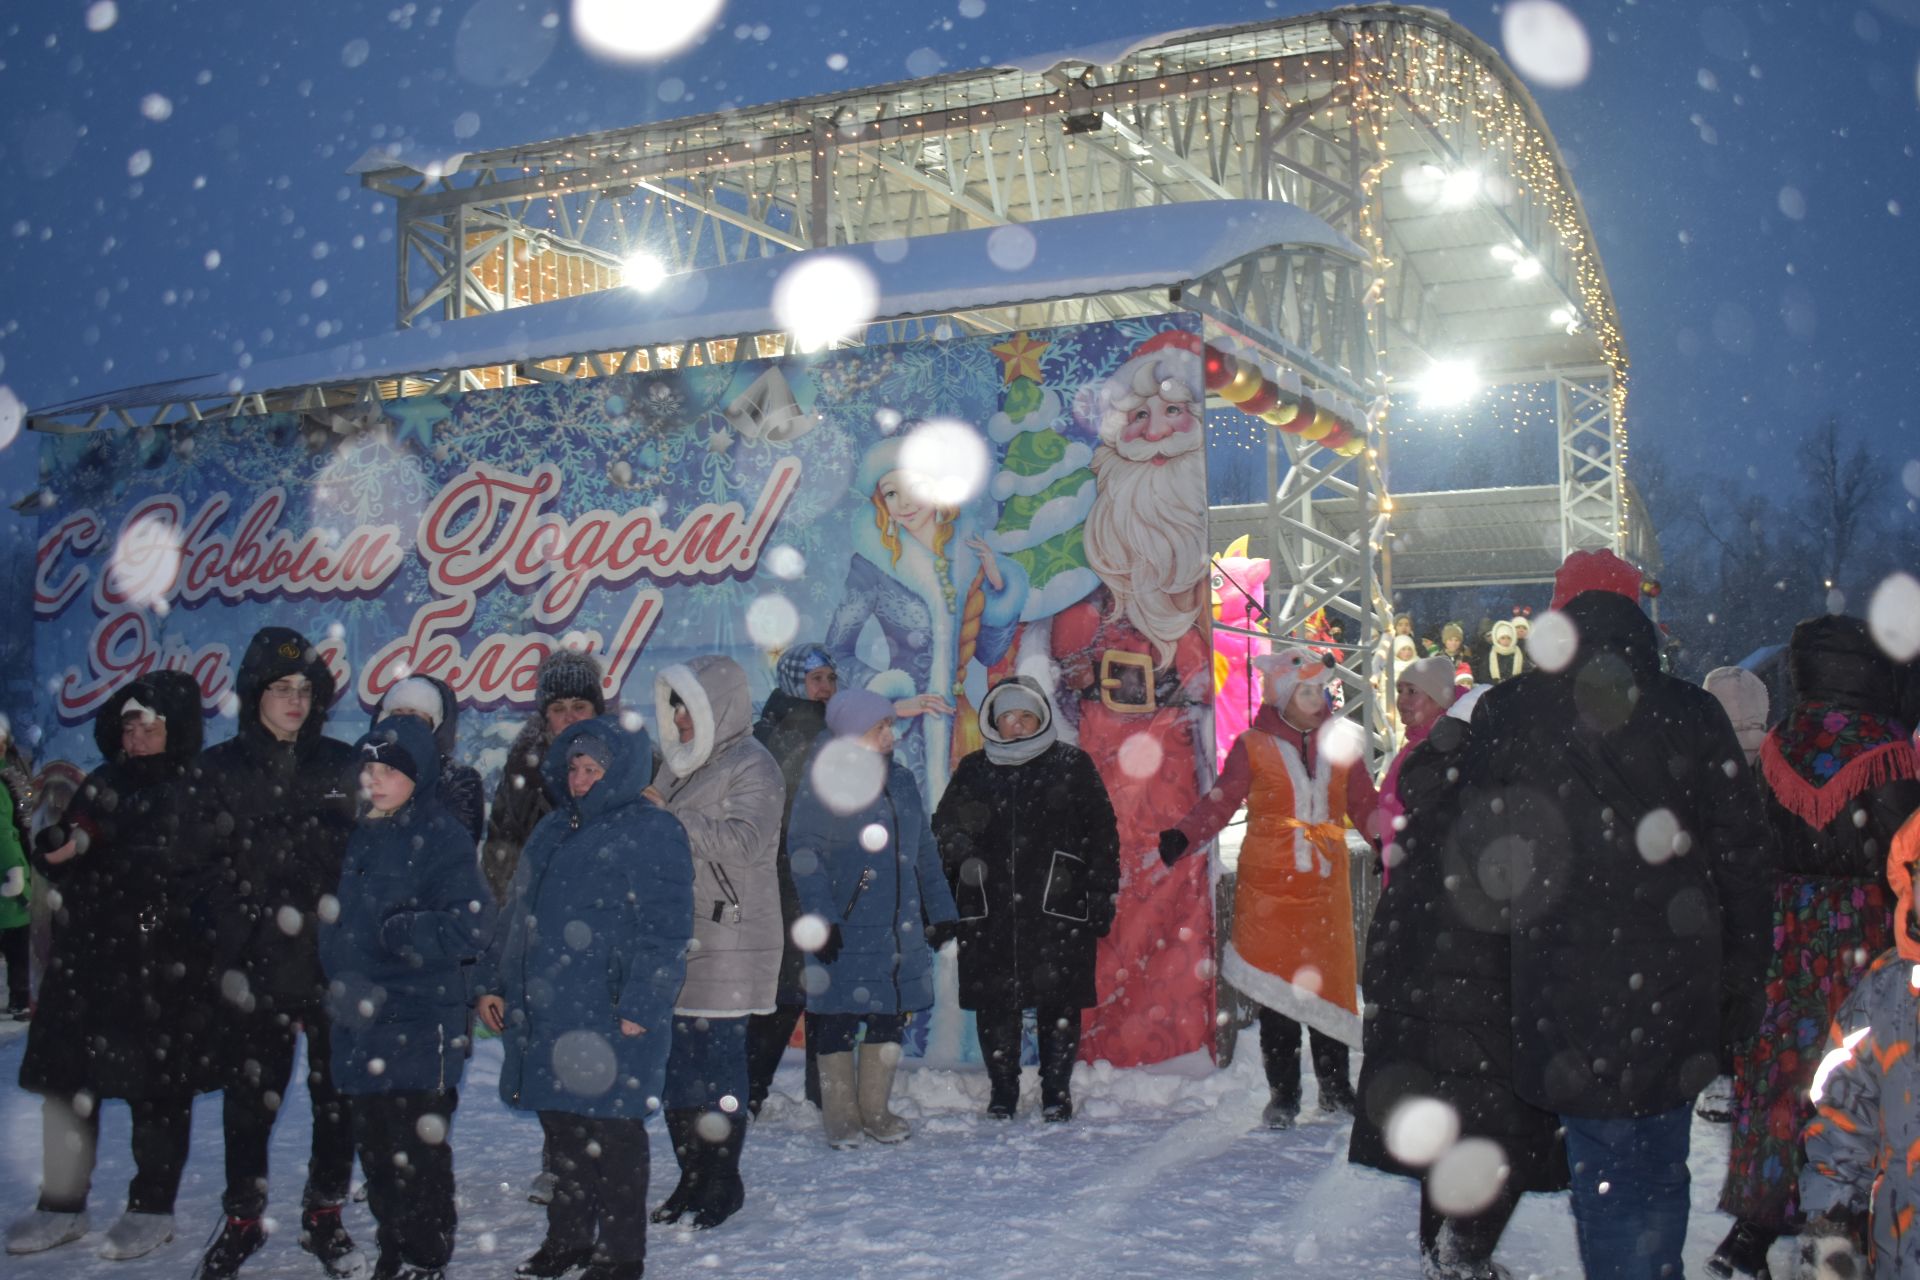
413 914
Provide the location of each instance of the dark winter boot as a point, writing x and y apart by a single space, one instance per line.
237 1240
721 1191
614 1271
683 1127
551 1261
1059 1035
1280 1058
1743 1252
1330 1069
323 1235
999 1033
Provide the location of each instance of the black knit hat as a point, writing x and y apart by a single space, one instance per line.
567 673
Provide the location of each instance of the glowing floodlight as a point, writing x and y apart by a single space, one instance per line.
1447 383
1459 187
643 272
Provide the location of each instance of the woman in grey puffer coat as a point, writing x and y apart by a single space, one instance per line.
728 793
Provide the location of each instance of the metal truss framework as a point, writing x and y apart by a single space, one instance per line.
1316 111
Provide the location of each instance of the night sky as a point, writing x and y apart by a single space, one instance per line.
173 190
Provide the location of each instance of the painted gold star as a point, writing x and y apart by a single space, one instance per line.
1021 354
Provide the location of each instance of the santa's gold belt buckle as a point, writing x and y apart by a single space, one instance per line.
1110 661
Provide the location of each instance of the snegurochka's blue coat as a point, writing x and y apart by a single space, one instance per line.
414 915
595 930
884 965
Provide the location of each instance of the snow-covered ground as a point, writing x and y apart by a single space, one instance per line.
1164 1172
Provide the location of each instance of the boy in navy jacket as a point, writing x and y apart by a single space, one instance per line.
413 914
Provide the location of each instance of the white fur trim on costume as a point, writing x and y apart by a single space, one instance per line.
1290 999
683 757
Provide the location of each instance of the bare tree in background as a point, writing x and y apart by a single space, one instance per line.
1841 485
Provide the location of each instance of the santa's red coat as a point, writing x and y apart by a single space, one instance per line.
1156 965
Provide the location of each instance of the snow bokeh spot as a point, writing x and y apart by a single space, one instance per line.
1342 741
1553 641
12 414
945 462
823 300
431 1128
1467 1178
1546 43
101 15
810 933
847 777
786 562
584 1063
713 1127
1893 616
641 30
1012 247
772 621
1659 836
577 934
287 919
156 107
1420 1130
1140 756
873 837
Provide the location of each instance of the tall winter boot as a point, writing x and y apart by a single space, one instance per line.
683 1128
839 1107
999 1033
1280 1057
721 1191
877 1065
1059 1031
1330 1069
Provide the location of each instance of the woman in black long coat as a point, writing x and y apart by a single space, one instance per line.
129 994
1029 844
1437 1032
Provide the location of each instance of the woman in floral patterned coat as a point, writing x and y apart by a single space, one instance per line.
1839 778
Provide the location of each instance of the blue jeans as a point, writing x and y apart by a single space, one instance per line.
707 1064
1630 1190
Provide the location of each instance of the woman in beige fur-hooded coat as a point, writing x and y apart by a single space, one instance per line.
727 791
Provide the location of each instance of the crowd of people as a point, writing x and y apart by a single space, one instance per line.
1602 888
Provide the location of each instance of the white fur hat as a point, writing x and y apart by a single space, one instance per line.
415 693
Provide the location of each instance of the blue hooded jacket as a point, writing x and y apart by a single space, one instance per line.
877 898
413 915
595 930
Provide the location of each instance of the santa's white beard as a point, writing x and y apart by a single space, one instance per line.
1146 536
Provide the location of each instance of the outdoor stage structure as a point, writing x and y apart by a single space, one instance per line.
1448 249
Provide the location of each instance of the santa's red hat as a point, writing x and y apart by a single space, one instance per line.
1179 339
1598 570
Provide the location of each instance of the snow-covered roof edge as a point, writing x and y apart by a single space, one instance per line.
1159 247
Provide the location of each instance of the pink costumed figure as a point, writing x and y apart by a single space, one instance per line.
1239 600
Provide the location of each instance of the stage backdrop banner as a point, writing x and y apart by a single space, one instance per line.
938 514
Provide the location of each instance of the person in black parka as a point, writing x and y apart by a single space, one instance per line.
1619 822
1438 1020
795 715
1031 850
128 995
278 806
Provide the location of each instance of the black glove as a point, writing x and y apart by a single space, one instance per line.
830 949
939 935
1173 843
